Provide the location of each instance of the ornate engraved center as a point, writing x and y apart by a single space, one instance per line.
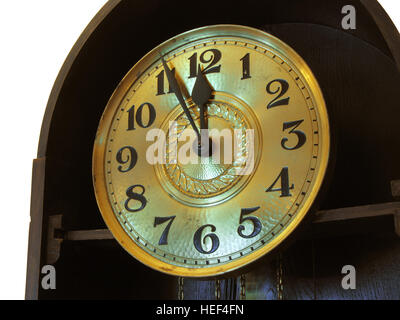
203 181
207 176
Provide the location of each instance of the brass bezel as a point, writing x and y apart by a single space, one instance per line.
286 54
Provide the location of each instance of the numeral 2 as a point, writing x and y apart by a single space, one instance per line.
282 88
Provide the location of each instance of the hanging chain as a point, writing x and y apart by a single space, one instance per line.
180 289
242 287
279 277
217 289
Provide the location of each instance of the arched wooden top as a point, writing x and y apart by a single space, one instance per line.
386 27
378 14
65 69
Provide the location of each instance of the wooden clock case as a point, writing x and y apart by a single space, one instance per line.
358 71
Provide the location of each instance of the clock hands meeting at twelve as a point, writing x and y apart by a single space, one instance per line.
201 93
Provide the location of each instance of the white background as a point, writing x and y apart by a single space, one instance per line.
35 38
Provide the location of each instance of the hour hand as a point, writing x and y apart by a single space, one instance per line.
178 93
202 92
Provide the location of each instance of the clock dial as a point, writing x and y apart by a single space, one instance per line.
211 151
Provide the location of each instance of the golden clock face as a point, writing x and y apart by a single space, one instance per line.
197 210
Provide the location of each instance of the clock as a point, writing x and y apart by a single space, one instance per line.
211 151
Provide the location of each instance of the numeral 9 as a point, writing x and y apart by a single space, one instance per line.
131 157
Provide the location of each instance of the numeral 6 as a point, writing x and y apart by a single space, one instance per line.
198 243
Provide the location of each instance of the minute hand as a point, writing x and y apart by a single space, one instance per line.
178 93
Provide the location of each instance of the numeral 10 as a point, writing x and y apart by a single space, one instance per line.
138 116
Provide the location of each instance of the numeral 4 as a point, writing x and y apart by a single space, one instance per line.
285 186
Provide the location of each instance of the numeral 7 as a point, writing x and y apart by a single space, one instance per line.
164 237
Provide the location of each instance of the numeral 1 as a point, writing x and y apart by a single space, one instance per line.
246 67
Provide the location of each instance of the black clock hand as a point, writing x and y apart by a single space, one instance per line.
201 93
178 93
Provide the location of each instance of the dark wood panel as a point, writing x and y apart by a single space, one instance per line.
377 262
103 270
312 270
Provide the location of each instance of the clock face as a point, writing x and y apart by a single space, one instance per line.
202 209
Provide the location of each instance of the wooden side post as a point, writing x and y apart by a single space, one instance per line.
35 230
